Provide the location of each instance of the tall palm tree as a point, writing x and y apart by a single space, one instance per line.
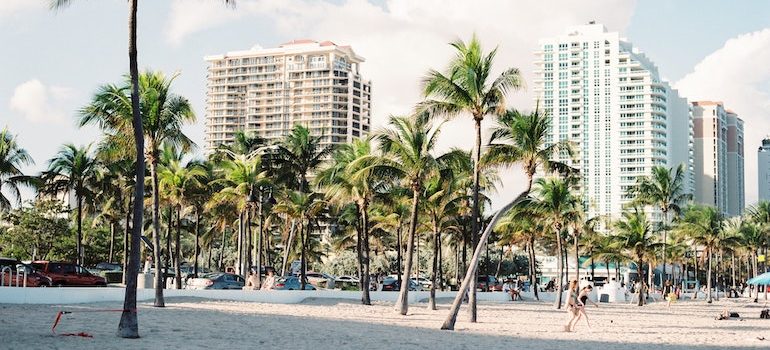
633 234
523 226
163 115
705 225
297 155
350 180
12 158
521 139
407 146
178 182
129 323
304 208
73 171
556 204
468 87
665 189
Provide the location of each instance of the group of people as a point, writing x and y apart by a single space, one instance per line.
253 281
576 305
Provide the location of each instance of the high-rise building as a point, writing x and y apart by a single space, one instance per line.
268 91
763 169
608 99
719 169
736 186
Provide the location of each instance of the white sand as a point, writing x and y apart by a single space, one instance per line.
332 324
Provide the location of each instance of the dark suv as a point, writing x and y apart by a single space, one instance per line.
12 275
68 274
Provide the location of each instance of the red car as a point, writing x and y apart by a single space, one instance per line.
68 274
485 281
11 274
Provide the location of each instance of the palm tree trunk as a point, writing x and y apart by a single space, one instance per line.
475 215
169 238
112 241
178 249
240 243
405 282
302 233
469 279
259 242
359 253
197 241
559 270
159 301
640 271
365 299
248 261
533 271
708 279
129 323
577 257
434 274
593 270
222 249
287 248
398 253
126 237
80 230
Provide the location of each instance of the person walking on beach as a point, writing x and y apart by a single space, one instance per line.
582 302
573 306
269 282
668 293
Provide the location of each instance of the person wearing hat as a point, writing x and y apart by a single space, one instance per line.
510 288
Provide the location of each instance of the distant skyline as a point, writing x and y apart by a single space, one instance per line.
54 61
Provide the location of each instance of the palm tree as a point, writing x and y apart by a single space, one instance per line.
163 115
664 188
296 155
350 180
556 204
467 87
407 147
634 236
522 139
523 226
304 208
178 183
129 323
73 171
704 224
12 158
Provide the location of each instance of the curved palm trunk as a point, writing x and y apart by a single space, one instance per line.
129 323
475 217
365 299
177 250
222 249
159 301
434 274
533 269
469 279
404 292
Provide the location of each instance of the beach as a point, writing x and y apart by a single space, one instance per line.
321 324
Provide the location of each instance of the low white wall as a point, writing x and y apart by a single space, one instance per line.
75 295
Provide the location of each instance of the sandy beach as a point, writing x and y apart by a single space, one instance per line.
336 324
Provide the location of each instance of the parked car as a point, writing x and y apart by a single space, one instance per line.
106 266
291 283
424 282
320 280
13 274
346 279
481 284
390 284
68 274
217 280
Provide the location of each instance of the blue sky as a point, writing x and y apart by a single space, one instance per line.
53 61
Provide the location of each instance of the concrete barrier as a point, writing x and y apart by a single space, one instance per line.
76 295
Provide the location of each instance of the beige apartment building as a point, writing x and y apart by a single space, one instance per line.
268 91
719 169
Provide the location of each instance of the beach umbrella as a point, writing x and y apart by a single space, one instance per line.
763 279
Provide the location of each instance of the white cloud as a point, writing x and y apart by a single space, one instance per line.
13 7
738 75
402 39
39 103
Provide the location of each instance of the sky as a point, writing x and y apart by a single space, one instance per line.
53 61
